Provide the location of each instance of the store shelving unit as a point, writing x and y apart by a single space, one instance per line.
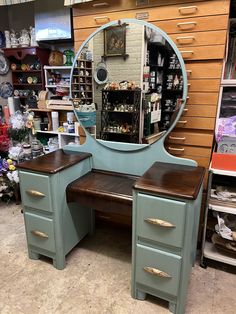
209 250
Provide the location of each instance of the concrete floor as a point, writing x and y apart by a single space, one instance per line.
96 278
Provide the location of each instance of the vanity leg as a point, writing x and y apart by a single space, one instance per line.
33 255
172 307
140 295
59 262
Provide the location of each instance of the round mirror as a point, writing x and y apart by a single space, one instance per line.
137 94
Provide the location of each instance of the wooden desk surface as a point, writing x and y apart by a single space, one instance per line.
53 162
172 180
104 191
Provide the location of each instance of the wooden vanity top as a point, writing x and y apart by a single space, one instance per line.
53 162
172 180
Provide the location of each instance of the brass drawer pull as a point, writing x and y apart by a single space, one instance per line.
183 40
188 10
186 25
159 222
177 138
182 121
176 149
156 272
185 110
187 53
39 234
102 4
101 18
35 193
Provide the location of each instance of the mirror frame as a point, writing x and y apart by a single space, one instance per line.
122 146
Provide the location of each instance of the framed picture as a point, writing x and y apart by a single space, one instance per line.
115 41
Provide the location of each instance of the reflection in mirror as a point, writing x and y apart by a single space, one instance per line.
143 95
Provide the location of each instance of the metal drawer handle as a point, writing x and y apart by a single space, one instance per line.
156 272
35 193
177 138
183 40
189 72
185 109
39 234
99 18
188 10
188 53
102 4
176 149
187 25
182 121
159 222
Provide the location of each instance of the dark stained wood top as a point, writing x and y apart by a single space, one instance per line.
104 191
53 162
172 180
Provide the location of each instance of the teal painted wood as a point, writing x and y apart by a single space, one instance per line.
39 183
168 210
68 225
140 285
132 162
159 260
40 231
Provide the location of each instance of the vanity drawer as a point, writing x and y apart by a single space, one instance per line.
199 38
204 70
202 53
204 85
193 24
40 231
196 123
152 211
191 138
36 191
157 269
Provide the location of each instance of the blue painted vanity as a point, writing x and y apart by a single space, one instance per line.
162 194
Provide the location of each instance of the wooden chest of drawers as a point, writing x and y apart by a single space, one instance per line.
199 30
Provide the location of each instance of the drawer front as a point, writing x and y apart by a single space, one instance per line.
183 150
191 138
199 111
202 98
196 123
186 25
203 52
40 231
199 38
149 264
36 191
155 13
211 85
83 33
101 6
204 70
151 210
